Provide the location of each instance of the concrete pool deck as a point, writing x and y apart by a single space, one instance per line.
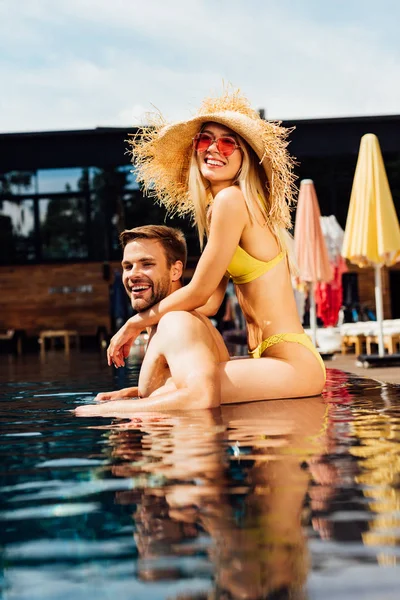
348 363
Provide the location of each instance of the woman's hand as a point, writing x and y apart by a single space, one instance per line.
121 343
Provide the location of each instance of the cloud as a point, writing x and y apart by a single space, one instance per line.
86 63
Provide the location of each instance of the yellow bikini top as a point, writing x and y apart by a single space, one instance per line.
244 268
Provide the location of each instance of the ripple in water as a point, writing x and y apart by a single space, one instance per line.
286 498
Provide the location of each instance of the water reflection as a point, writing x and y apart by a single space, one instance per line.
296 498
378 458
224 486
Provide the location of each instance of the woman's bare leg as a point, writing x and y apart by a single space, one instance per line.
271 377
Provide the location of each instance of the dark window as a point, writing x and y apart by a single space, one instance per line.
17 227
75 214
63 228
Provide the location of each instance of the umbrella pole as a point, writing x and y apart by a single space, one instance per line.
379 309
313 315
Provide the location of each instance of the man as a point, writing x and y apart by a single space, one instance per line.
180 367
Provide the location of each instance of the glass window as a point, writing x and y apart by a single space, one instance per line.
60 180
108 191
98 239
17 226
140 210
63 228
131 182
18 182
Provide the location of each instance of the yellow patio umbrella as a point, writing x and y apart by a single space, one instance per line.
372 233
310 246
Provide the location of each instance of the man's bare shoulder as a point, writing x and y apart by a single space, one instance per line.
179 331
181 324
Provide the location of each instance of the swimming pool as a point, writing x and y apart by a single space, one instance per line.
295 497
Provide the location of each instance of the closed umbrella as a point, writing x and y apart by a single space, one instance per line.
333 235
311 251
372 233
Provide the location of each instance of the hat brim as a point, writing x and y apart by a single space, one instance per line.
175 142
162 155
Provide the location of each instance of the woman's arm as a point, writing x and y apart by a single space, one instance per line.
210 308
229 218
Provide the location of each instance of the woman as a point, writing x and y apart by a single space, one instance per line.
230 169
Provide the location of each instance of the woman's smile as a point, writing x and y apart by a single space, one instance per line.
211 161
219 170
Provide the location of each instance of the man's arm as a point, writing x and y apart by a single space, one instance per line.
187 345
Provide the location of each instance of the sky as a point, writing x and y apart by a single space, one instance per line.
79 64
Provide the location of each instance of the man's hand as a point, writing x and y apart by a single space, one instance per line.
131 392
121 343
117 408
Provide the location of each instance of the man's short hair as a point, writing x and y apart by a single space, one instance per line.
172 240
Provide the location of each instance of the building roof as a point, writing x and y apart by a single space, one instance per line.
107 146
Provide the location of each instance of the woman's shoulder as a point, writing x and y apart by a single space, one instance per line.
232 191
231 197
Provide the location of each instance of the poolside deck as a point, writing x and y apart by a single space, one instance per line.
347 362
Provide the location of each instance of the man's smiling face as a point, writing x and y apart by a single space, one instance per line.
146 275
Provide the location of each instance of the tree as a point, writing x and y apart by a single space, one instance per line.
63 229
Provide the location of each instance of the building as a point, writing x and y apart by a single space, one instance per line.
65 196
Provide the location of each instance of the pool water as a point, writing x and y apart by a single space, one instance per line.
278 499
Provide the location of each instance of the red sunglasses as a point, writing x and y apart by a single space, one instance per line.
226 145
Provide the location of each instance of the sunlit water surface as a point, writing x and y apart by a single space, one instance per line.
281 499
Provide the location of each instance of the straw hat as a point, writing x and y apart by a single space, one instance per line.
161 154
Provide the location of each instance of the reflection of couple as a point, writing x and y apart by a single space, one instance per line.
225 487
230 169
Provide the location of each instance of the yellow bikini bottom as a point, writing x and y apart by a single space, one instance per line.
297 338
